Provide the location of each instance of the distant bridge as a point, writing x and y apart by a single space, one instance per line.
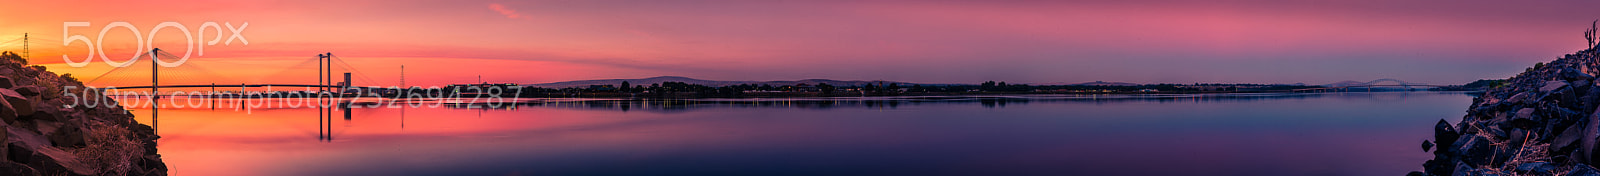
325 76
325 83
1369 85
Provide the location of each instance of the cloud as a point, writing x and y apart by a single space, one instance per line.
507 12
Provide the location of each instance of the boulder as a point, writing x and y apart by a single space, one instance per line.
1567 137
1493 127
53 161
28 91
1552 86
1582 170
4 136
1475 149
6 83
1426 145
49 114
1574 74
18 102
1440 165
1445 135
1463 169
1519 98
153 162
1477 172
8 113
18 169
1518 137
18 152
68 135
1536 168
1591 131
1582 85
1524 113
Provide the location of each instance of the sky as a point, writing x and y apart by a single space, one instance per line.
1158 41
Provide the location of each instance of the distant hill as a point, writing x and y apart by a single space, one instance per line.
1096 83
713 83
1484 84
1103 83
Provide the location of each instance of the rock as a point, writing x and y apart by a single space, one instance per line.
1591 131
28 91
1518 137
4 136
1477 172
1444 134
6 83
16 152
1440 165
1462 169
1583 170
1583 85
1536 168
18 102
18 169
1426 145
1552 86
1521 97
50 161
1493 127
1475 149
1567 137
154 163
1573 74
68 135
1524 113
49 114
8 113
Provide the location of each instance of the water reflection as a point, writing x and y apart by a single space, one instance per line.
1224 134
671 106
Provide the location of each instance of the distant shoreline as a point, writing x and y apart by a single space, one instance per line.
691 95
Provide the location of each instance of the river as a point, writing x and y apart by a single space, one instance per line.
1208 134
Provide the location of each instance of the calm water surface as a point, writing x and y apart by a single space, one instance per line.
1232 134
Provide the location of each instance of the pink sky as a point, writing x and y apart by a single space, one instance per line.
1165 41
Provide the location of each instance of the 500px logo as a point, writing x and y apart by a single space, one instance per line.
96 48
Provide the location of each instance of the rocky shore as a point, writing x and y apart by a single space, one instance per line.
44 137
1542 122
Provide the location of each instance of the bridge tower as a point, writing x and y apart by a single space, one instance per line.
25 55
155 89
320 122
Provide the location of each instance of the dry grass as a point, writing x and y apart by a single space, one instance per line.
111 149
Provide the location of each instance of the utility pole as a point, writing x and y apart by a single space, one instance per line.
25 55
403 77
